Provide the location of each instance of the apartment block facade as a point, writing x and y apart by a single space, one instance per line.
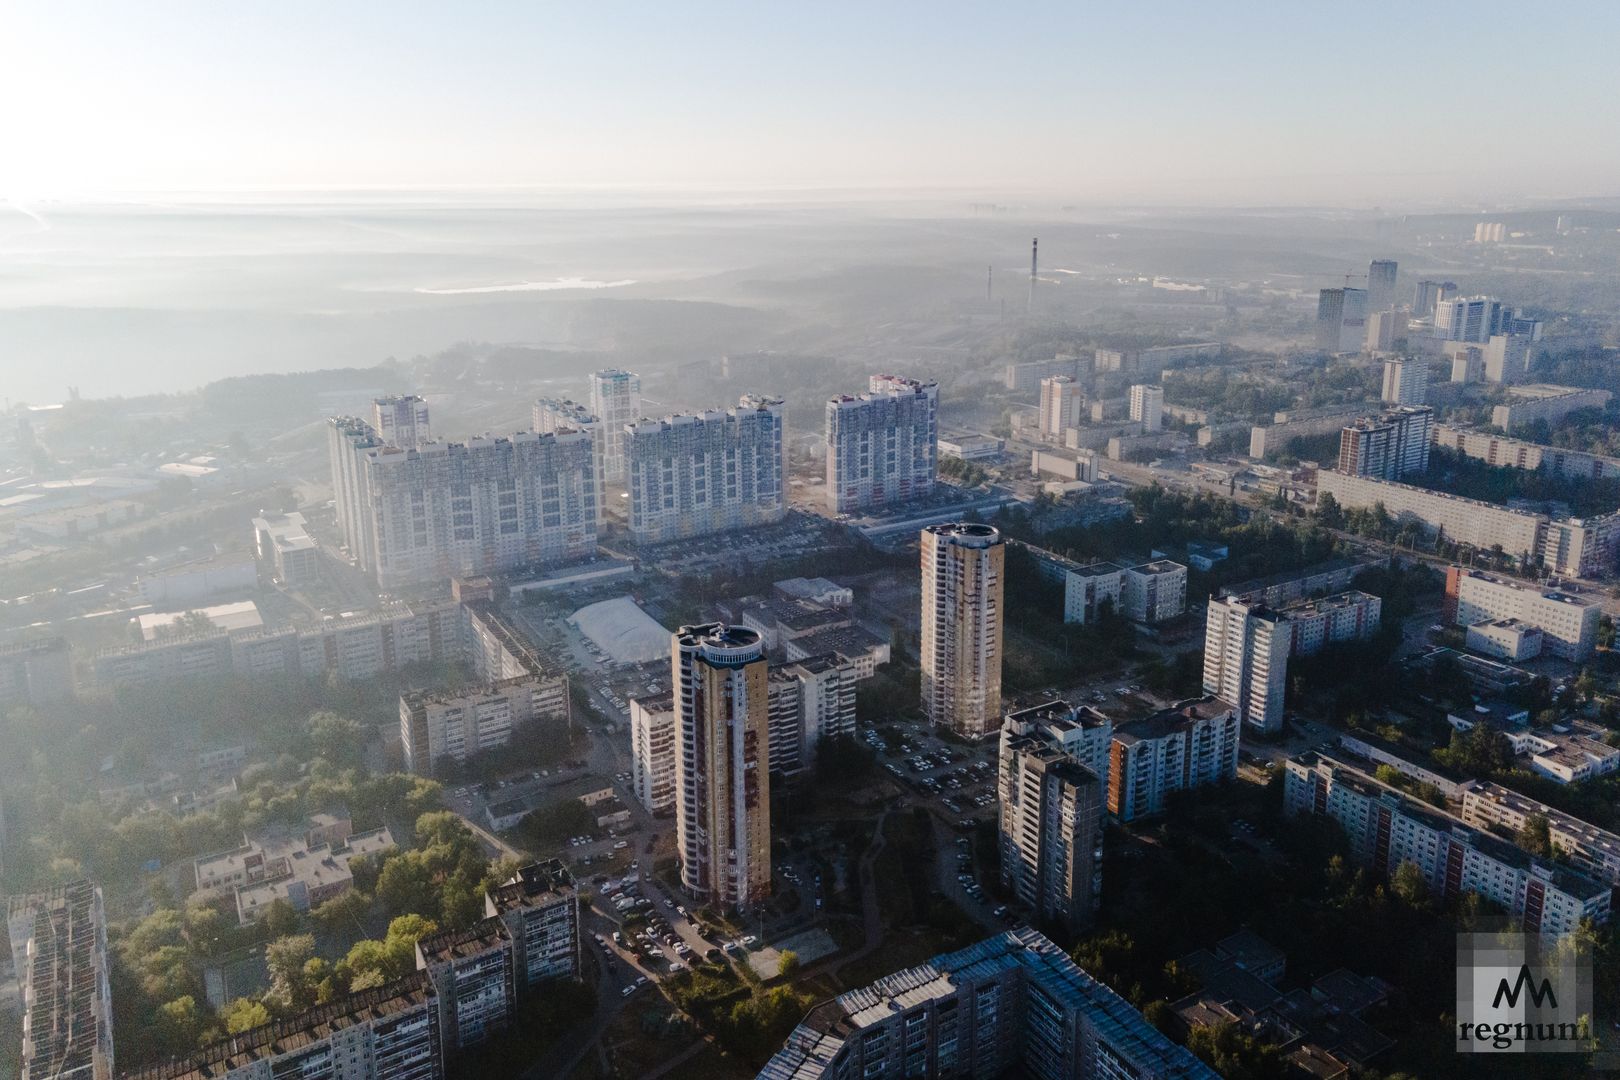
1387 827
59 947
451 726
1154 591
963 581
1246 650
1388 446
1011 1005
615 400
722 769
810 700
1188 745
710 472
1050 801
653 747
883 445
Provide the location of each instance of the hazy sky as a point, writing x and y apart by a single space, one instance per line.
1243 101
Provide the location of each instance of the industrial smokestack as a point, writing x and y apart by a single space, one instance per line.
1034 268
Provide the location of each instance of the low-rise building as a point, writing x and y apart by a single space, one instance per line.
1568 622
971 446
1506 639
1543 402
286 550
188 583
1387 827
1191 744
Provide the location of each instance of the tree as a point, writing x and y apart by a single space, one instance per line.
1408 883
281 919
292 985
336 738
788 965
244 1014
1535 836
179 1025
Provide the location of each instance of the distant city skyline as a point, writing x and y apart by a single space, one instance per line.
1169 103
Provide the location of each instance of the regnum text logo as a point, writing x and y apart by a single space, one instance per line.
1518 993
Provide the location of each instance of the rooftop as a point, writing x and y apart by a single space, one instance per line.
450 945
225 1057
1168 721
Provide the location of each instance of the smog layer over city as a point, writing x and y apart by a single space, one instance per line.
718 541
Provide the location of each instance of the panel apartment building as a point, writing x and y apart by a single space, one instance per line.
1509 453
653 746
1580 547
709 472
59 947
1591 850
1011 1005
1387 827
1188 745
465 989
1053 762
810 700
883 445
436 727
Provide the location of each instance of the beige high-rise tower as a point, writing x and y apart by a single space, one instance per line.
722 764
962 577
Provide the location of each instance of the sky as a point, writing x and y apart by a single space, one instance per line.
1256 101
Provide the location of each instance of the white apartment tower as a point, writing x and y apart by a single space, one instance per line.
553 416
883 445
1050 794
1061 401
401 420
347 440
722 764
1246 647
1470 318
962 585
1341 320
653 746
615 401
1147 406
708 472
1406 382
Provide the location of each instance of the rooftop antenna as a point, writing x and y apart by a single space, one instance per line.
1034 268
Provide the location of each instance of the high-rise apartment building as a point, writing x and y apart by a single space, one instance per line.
347 440
722 766
59 947
1147 406
1406 381
1387 827
615 401
490 504
1050 796
653 748
1381 274
1012 1005
401 420
1246 647
962 585
1428 294
882 446
710 472
1191 744
552 416
1469 318
1385 329
1387 446
1061 401
1506 358
37 671
1341 320
810 700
